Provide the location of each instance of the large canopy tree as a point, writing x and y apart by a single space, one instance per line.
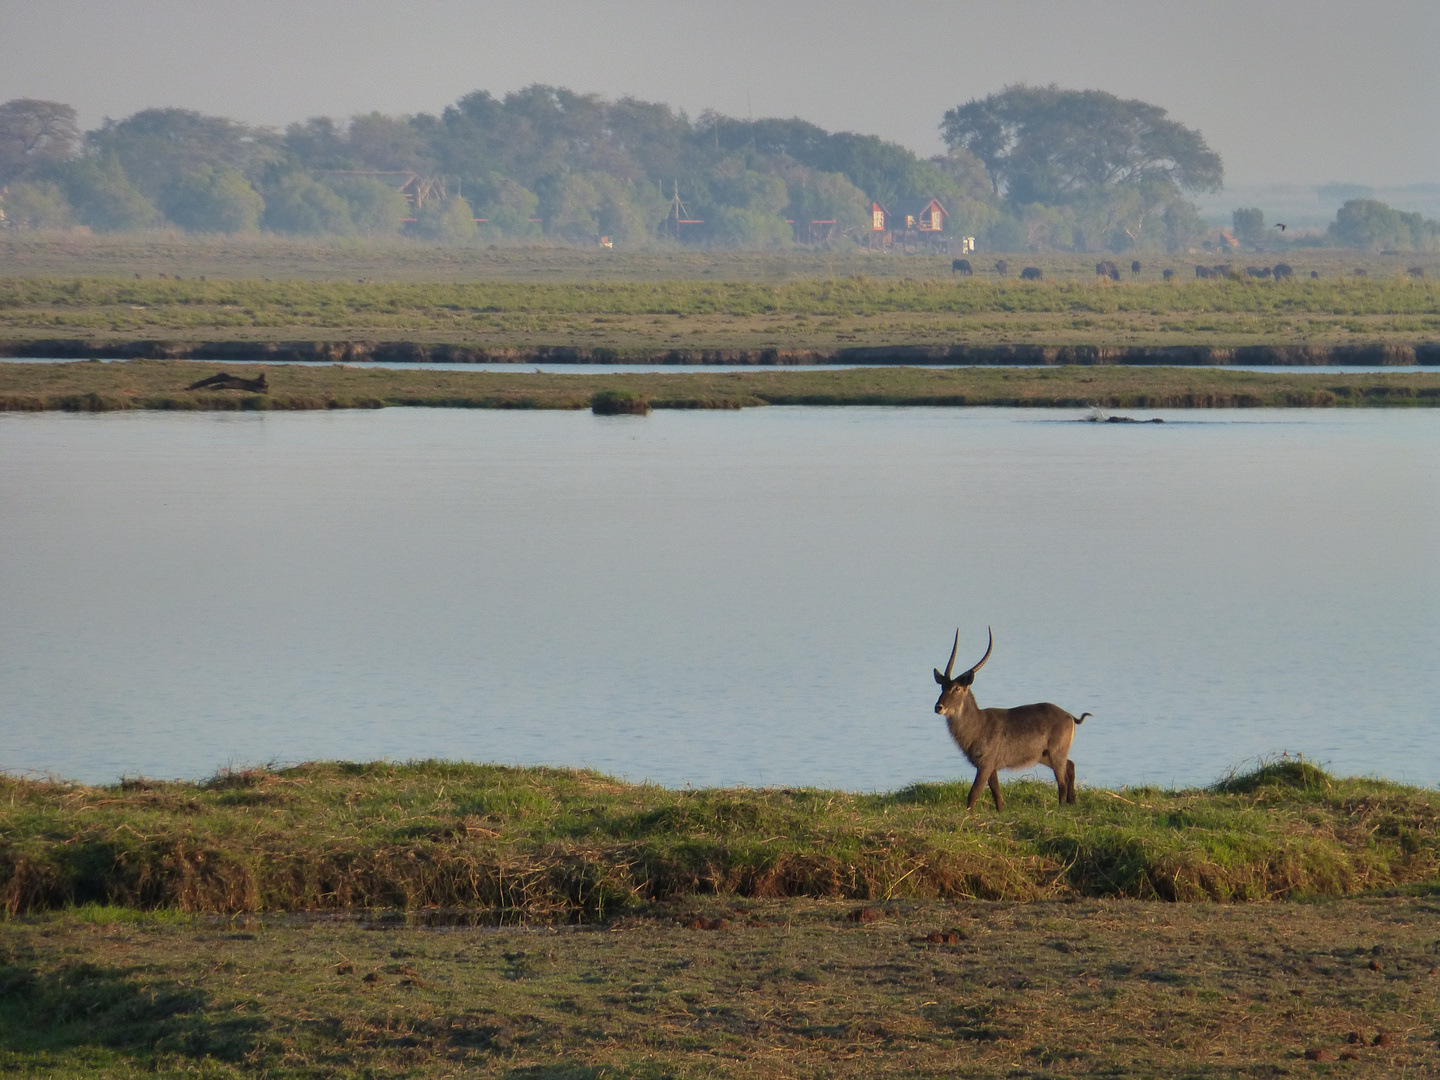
1053 146
156 146
34 134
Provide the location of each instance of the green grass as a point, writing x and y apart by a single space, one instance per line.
557 844
550 924
650 318
155 384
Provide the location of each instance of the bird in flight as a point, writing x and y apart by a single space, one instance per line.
1280 226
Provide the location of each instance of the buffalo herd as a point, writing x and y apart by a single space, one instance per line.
1279 272
1107 269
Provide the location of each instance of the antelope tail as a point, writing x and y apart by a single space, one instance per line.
1081 718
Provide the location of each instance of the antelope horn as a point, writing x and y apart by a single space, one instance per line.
981 664
951 665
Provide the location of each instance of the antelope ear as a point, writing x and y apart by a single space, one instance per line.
939 678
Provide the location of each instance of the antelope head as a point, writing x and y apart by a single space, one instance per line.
954 692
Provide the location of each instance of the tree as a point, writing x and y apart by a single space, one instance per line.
103 196
569 207
1249 224
157 147
34 134
300 204
966 172
212 200
734 226
376 208
377 141
1047 145
318 143
507 206
36 206
1372 225
1183 226
452 221
822 196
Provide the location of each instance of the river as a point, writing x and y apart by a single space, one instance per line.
716 598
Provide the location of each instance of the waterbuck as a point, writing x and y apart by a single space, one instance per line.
995 739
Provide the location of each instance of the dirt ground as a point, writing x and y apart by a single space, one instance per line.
745 989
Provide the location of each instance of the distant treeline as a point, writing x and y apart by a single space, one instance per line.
1027 168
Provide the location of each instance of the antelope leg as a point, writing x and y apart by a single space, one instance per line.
975 788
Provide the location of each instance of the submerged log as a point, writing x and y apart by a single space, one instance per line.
226 381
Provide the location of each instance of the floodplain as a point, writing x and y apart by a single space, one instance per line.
652 305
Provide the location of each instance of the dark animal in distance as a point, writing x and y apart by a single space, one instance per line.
1135 266
1314 275
1204 272
1416 271
961 266
1283 270
226 381
1168 275
995 739
1107 269
1359 272
1258 271
1001 266
1031 273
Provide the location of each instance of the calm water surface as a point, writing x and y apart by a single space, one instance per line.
547 368
716 598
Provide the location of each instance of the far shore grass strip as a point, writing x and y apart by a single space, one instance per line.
92 386
799 314
563 845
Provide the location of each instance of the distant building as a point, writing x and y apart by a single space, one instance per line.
918 215
911 224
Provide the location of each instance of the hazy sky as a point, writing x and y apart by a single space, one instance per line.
1300 91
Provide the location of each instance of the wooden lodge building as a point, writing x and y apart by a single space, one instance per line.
911 224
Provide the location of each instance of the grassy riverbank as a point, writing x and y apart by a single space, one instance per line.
798 315
723 933
563 845
156 384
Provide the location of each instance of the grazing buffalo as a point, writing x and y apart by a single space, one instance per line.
961 266
1168 275
1001 266
1284 271
1204 272
1416 271
1257 271
1314 275
1135 267
1107 269
1031 273
1359 272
